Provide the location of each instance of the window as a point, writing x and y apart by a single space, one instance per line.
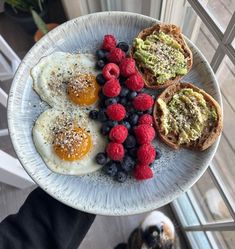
207 210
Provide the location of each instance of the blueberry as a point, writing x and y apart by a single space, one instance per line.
102 116
150 111
111 123
101 104
121 176
101 95
122 80
126 123
101 54
133 119
100 79
158 154
139 113
128 163
105 129
131 95
132 152
124 92
100 64
123 101
110 101
130 109
130 142
110 168
93 114
123 46
101 158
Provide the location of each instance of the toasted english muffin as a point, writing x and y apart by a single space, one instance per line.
186 116
152 80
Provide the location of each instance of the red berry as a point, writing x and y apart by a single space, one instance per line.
110 71
109 42
143 172
146 119
135 82
116 55
116 112
115 151
143 102
111 88
127 67
118 134
144 133
146 153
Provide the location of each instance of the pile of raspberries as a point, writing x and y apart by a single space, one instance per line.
125 113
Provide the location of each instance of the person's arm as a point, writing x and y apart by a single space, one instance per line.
44 223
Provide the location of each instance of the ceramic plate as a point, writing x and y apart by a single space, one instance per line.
174 173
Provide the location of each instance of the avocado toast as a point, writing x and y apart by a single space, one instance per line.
162 55
186 116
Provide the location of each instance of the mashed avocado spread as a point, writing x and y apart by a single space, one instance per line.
162 55
186 115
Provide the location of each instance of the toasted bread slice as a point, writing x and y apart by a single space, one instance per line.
174 32
209 134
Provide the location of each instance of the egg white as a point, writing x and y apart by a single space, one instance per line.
43 137
51 74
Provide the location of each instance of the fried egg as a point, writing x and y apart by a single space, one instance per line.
68 141
66 80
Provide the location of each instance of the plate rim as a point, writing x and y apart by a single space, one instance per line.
22 159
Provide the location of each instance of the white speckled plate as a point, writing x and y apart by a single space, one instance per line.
174 173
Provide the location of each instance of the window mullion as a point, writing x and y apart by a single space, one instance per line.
230 31
222 226
207 19
217 58
221 188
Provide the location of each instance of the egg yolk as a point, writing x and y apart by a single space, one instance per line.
83 89
72 144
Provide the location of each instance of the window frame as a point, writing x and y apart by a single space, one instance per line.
224 39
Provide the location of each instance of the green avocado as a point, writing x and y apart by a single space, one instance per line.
186 115
162 55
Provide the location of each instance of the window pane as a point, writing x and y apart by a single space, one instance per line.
196 30
224 239
225 156
211 206
199 240
189 216
221 10
206 42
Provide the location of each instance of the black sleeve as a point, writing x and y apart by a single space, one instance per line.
44 223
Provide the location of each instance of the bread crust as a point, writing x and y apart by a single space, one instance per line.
208 137
173 31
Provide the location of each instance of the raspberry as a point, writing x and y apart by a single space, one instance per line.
144 133
143 102
127 67
142 172
116 55
116 112
109 42
135 82
146 153
115 151
111 88
146 119
118 134
110 71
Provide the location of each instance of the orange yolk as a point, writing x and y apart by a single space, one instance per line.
72 144
83 89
